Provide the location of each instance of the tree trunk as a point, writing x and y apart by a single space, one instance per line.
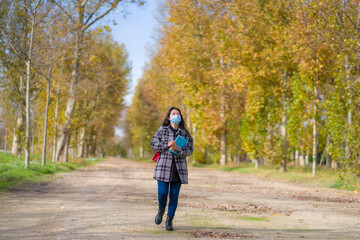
297 158
307 157
16 149
82 142
65 156
334 164
141 151
256 163
70 106
328 157
223 147
28 79
46 122
302 158
5 141
283 129
314 136
349 115
57 111
16 146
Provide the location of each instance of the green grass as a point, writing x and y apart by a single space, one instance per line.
325 177
13 172
255 219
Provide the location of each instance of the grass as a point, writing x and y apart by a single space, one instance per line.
13 172
325 177
255 219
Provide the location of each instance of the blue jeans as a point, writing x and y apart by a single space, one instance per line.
163 192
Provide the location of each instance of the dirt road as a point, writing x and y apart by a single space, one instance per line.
116 199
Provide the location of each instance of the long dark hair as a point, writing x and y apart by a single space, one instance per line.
182 124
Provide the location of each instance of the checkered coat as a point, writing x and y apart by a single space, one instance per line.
159 143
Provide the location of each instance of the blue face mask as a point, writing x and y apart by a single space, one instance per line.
175 119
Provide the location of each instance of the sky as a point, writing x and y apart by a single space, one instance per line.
136 31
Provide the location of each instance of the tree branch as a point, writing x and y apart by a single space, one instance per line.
84 3
62 9
92 14
11 44
102 15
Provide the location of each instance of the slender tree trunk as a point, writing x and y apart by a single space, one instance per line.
314 135
349 115
57 111
16 146
82 142
33 138
322 158
283 128
223 137
256 163
5 141
70 106
223 147
141 151
46 121
302 158
16 149
334 164
297 158
28 79
328 157
65 156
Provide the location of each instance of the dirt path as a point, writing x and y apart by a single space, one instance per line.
116 199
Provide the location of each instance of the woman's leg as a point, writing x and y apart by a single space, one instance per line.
163 191
174 196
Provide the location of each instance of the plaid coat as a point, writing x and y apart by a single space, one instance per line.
159 143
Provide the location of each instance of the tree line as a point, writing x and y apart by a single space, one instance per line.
63 77
270 81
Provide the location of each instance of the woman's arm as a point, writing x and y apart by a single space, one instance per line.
158 144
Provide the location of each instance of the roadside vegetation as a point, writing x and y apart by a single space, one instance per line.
13 172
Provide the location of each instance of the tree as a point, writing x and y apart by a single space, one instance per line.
82 14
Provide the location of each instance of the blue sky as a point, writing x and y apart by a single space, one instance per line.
136 31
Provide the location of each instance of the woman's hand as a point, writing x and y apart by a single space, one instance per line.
170 144
173 147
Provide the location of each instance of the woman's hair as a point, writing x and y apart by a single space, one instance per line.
182 123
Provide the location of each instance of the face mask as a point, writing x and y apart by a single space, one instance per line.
175 119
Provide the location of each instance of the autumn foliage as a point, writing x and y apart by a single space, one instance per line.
268 81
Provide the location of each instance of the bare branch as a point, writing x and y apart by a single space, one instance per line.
62 9
11 44
92 14
114 5
352 23
83 4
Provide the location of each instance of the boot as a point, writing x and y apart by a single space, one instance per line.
168 223
159 216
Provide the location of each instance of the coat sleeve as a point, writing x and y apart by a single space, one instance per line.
188 149
158 144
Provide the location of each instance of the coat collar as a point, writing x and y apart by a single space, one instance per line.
179 130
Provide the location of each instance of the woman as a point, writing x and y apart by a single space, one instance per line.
171 168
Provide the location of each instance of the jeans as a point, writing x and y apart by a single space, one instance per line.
163 192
